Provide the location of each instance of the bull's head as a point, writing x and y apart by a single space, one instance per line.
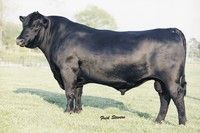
32 33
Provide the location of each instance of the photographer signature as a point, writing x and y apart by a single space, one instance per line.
111 117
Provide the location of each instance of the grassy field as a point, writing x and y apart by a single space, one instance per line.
31 101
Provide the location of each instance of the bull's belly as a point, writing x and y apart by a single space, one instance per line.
118 76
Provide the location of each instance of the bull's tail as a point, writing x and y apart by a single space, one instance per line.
183 83
182 78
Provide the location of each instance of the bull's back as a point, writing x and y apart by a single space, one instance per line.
111 42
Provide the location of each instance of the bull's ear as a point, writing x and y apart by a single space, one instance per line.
45 22
21 18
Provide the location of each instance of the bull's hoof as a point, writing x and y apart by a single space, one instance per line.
69 111
158 121
182 122
77 110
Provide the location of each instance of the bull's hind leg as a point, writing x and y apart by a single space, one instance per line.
78 94
164 101
177 94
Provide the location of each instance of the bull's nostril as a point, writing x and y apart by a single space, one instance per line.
20 41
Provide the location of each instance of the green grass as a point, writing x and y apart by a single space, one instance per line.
31 101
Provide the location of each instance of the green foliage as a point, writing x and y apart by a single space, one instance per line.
1 19
1 9
1 5
95 17
194 48
10 33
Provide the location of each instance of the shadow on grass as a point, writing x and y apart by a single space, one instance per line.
91 101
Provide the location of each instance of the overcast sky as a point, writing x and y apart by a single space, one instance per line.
129 14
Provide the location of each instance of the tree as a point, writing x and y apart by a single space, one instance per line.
1 21
10 32
95 17
194 48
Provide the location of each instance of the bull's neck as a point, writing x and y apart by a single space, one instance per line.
45 43
50 35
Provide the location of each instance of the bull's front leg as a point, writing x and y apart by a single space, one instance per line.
69 80
57 75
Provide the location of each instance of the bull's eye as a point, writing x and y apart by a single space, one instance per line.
34 26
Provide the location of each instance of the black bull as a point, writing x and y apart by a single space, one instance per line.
78 55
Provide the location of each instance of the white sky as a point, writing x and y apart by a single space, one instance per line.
129 14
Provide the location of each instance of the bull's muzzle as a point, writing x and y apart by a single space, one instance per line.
20 42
